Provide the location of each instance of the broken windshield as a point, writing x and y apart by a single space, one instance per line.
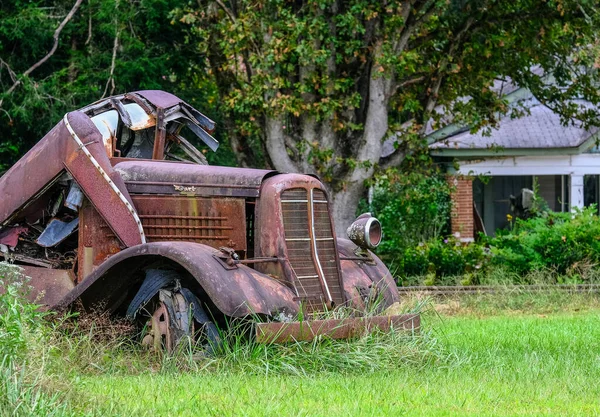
129 131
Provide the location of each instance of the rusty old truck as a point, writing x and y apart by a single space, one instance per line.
114 209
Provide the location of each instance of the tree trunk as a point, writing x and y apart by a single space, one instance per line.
275 143
345 202
343 206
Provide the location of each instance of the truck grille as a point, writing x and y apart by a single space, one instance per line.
311 250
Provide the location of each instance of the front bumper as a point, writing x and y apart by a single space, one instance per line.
347 328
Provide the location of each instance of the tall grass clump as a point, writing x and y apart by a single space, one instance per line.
19 319
366 353
23 333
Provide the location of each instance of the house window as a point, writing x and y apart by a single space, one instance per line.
492 197
591 190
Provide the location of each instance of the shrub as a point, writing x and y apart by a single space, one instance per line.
563 242
22 325
440 258
413 208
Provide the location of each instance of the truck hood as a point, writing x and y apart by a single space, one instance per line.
165 177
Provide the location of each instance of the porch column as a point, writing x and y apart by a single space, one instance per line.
461 220
576 191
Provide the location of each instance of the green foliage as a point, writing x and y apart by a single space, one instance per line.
309 67
295 79
564 242
150 54
23 330
19 319
547 248
412 208
437 259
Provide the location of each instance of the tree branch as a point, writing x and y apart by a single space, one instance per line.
408 81
12 74
398 155
426 12
226 10
56 37
437 80
89 38
111 78
248 67
276 146
393 160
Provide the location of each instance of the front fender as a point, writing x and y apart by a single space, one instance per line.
360 276
236 293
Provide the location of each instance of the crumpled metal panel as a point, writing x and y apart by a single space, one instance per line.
49 285
101 195
164 177
159 98
238 292
47 160
57 231
10 236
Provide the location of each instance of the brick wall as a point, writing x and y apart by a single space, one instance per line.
462 208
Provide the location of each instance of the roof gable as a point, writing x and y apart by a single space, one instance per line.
538 132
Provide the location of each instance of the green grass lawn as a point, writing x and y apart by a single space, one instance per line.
497 365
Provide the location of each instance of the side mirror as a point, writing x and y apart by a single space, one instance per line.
365 232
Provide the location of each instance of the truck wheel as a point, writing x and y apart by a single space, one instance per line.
175 315
170 322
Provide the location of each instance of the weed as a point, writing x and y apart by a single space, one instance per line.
23 340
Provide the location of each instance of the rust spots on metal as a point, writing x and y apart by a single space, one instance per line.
21 185
293 223
163 177
334 329
240 292
160 135
365 231
97 241
49 285
212 221
366 274
249 241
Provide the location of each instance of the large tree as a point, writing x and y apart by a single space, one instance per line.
316 86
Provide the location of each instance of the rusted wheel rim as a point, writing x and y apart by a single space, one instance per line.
159 335
170 323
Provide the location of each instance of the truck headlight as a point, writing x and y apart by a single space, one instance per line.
365 232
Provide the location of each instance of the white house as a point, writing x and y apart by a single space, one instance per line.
565 160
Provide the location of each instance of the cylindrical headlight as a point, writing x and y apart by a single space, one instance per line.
365 232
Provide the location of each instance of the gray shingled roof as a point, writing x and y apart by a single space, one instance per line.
503 87
542 129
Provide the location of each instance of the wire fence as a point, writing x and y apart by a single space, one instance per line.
493 289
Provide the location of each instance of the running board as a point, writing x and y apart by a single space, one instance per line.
276 332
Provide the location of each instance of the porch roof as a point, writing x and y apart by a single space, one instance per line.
538 133
574 165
